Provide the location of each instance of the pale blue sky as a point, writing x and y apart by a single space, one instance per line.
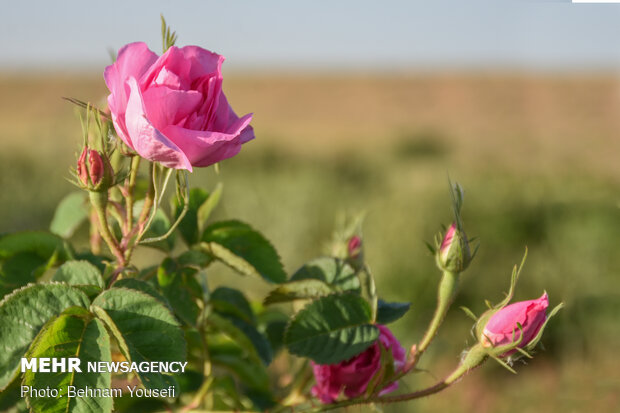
360 34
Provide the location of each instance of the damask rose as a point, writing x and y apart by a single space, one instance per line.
351 377
502 328
171 109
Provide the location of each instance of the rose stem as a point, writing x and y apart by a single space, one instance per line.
131 184
445 296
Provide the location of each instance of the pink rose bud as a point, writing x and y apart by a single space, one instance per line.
96 167
94 171
355 252
171 109
502 328
454 254
354 247
351 377
82 169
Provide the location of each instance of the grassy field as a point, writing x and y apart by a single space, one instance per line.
537 155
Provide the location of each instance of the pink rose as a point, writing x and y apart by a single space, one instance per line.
502 325
171 109
352 376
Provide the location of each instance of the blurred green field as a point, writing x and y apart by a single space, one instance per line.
537 156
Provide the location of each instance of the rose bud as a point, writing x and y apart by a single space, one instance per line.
82 169
352 377
355 252
454 254
94 171
503 327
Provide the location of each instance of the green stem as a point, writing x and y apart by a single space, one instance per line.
99 201
445 295
144 214
95 236
133 175
179 218
149 199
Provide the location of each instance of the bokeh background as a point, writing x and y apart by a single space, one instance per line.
369 106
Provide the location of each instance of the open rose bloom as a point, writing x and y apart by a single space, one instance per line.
171 109
502 328
351 377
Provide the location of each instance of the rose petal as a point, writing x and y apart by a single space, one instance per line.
530 314
165 106
149 142
211 88
203 62
133 60
204 148
119 125
167 78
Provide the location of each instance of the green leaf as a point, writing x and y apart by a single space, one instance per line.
275 334
159 226
251 373
390 312
298 290
19 270
204 212
41 243
189 225
244 334
331 329
260 342
174 282
74 333
23 313
143 286
145 329
228 301
332 271
194 259
69 214
10 396
242 248
98 261
79 273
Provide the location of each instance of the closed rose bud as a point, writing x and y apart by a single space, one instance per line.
354 247
454 254
351 377
82 169
94 171
355 252
503 326
96 167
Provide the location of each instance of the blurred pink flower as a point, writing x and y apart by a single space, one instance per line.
171 109
352 376
354 246
502 325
